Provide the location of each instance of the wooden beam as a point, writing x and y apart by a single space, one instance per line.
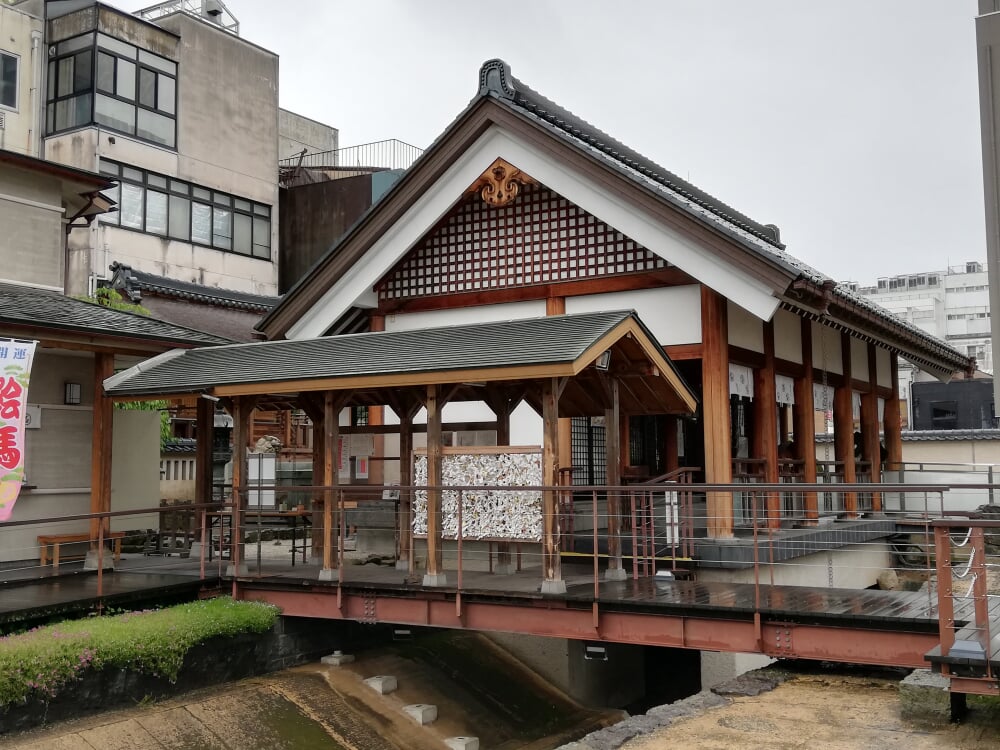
804 421
555 305
663 277
613 468
551 561
204 429
765 436
101 446
241 410
843 427
434 575
405 498
715 410
679 352
332 406
870 427
893 419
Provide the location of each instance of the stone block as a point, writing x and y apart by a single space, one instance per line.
462 743
382 684
337 659
924 696
422 713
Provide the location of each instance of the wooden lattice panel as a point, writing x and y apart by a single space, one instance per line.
541 238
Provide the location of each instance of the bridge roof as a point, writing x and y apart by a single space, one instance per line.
466 356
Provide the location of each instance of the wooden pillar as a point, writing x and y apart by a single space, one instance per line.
715 411
314 410
843 426
331 478
376 416
204 429
405 495
804 422
557 306
870 427
551 561
101 446
434 574
502 407
893 419
241 412
766 425
671 446
613 474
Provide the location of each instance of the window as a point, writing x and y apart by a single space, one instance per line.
155 204
8 80
944 415
102 80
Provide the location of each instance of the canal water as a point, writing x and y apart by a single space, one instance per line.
479 690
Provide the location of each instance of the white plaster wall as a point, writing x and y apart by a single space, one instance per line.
465 316
135 468
826 349
883 364
31 228
672 314
745 329
788 336
859 360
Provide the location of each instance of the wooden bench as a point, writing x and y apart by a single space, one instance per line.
45 541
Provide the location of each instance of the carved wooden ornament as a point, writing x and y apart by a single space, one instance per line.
500 184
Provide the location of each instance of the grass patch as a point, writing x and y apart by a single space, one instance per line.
40 662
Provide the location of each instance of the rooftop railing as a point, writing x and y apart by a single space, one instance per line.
320 166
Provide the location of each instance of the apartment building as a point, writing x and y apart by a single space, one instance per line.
952 304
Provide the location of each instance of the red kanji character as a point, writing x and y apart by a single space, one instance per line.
10 455
10 398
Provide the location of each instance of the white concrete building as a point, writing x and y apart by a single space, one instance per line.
952 304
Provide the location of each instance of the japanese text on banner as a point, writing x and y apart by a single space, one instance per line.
15 370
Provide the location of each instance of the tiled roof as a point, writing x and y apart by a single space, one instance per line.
932 435
533 341
763 239
134 282
41 308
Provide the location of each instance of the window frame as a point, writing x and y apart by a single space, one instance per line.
15 107
181 190
96 50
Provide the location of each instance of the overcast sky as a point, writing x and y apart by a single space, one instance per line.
852 125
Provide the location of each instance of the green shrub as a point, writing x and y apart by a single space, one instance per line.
40 662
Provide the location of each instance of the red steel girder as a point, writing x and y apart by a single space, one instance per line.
850 645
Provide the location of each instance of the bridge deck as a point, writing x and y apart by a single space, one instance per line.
514 602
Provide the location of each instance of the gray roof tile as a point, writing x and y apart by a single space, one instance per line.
131 279
42 308
549 340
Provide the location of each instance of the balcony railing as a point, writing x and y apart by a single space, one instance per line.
353 161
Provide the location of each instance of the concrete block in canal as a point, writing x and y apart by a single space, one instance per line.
422 713
382 684
462 743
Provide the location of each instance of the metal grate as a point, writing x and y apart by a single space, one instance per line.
647 443
541 238
3 120
588 451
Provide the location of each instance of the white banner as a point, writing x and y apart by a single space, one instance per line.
15 371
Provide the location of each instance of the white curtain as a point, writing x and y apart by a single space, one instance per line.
784 388
740 381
